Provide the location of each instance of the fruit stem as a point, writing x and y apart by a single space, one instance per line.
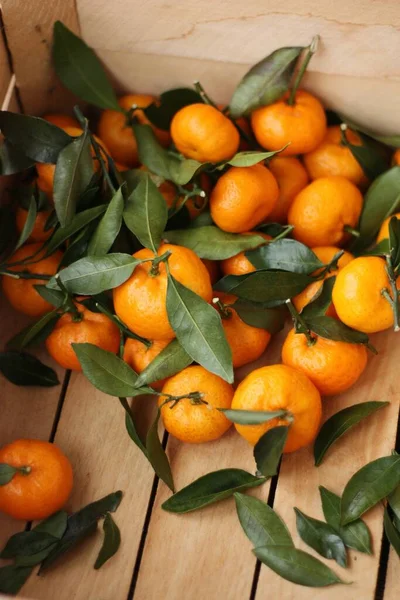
121 325
25 275
69 303
201 91
155 268
284 233
300 325
351 230
331 266
223 308
394 302
312 48
24 470
343 138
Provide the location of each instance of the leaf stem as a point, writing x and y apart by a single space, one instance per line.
201 91
331 266
283 233
155 263
69 303
312 48
352 231
121 325
299 323
223 308
25 275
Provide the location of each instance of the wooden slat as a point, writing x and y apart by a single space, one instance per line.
299 479
28 28
392 577
91 432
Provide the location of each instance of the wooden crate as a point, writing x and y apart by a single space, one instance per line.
151 47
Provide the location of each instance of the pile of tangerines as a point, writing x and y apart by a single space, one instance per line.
311 191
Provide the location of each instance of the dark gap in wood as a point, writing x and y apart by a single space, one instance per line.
60 405
145 530
270 502
10 61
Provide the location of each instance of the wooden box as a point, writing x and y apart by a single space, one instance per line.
151 47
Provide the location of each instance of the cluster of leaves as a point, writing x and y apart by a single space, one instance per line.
48 541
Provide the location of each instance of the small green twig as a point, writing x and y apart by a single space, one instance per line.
300 325
121 325
312 48
201 91
155 263
283 233
224 310
25 275
69 304
394 299
352 231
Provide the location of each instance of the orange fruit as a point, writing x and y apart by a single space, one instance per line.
139 356
357 295
212 267
118 135
44 485
195 204
247 343
332 366
196 423
333 158
94 328
240 264
141 301
396 157
120 167
292 178
384 230
61 120
325 255
204 133
323 208
243 197
38 233
21 293
279 387
303 125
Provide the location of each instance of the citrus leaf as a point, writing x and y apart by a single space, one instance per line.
213 243
29 223
260 522
130 426
388 140
269 287
161 113
394 244
394 502
94 274
355 535
146 213
268 450
286 255
80 70
79 221
333 329
339 424
296 566
36 138
111 541
321 301
74 170
157 456
54 297
248 158
106 371
172 359
13 160
271 319
26 543
12 578
210 488
321 537
368 486
77 246
7 472
265 82
108 227
198 327
34 333
24 369
391 532
252 417
55 525
369 158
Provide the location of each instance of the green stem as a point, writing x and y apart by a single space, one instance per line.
201 91
155 263
393 301
223 308
284 233
352 231
121 325
25 275
312 48
24 470
331 266
69 304
299 323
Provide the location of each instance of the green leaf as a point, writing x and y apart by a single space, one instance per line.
82 524
339 424
26 543
55 525
170 361
269 287
111 541
29 223
36 138
296 566
333 329
252 417
394 244
268 450
286 255
106 371
321 537
248 158
12 578
161 113
80 220
80 70
394 502
74 170
210 488
369 158
381 200
260 522
108 227
213 243
7 472
54 297
321 302
94 274
146 214
130 426
13 160
199 330
355 535
265 82
34 333
392 534
203 219
24 369
157 456
271 319
368 486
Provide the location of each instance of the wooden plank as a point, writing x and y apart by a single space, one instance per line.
91 432
391 591
28 28
5 73
299 479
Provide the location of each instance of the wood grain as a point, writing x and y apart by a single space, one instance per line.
299 479
391 591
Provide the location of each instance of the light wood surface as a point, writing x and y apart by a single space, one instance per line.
392 577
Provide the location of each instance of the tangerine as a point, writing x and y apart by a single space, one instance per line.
292 178
38 233
138 356
239 264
